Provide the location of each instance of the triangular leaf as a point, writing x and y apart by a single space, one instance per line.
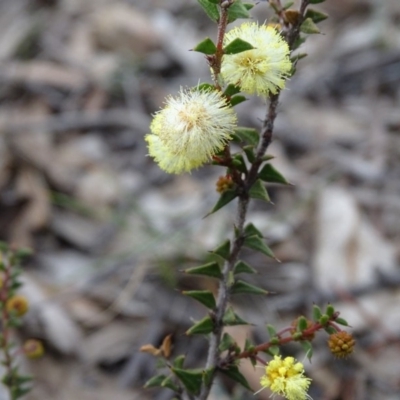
234 373
204 87
169 383
341 321
238 10
191 379
205 297
224 199
210 269
307 347
155 381
269 174
243 268
235 100
316 16
208 376
207 46
224 250
258 191
248 135
203 327
244 287
231 90
249 151
210 9
309 27
232 319
251 230
237 46
179 361
227 342
239 163
256 243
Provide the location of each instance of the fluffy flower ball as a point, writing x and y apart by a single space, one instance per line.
286 378
262 70
190 129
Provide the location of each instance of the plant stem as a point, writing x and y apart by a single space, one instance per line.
4 345
213 357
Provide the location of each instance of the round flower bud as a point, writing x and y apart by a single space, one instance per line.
224 183
18 305
341 344
33 348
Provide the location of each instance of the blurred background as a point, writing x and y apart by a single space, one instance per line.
79 80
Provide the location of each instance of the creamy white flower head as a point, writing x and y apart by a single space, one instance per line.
190 129
262 70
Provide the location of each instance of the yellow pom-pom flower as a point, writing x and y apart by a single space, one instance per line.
261 70
190 129
286 378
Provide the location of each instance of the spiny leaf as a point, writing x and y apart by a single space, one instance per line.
239 10
232 319
309 27
231 90
179 361
204 87
256 243
234 373
223 250
239 163
224 199
270 174
243 268
249 151
202 327
205 297
169 383
207 46
316 16
258 191
248 135
210 269
342 321
237 46
227 342
244 287
307 347
154 381
235 100
251 230
210 9
191 379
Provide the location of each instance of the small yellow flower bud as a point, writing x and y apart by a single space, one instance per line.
224 183
18 305
303 336
33 348
341 344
